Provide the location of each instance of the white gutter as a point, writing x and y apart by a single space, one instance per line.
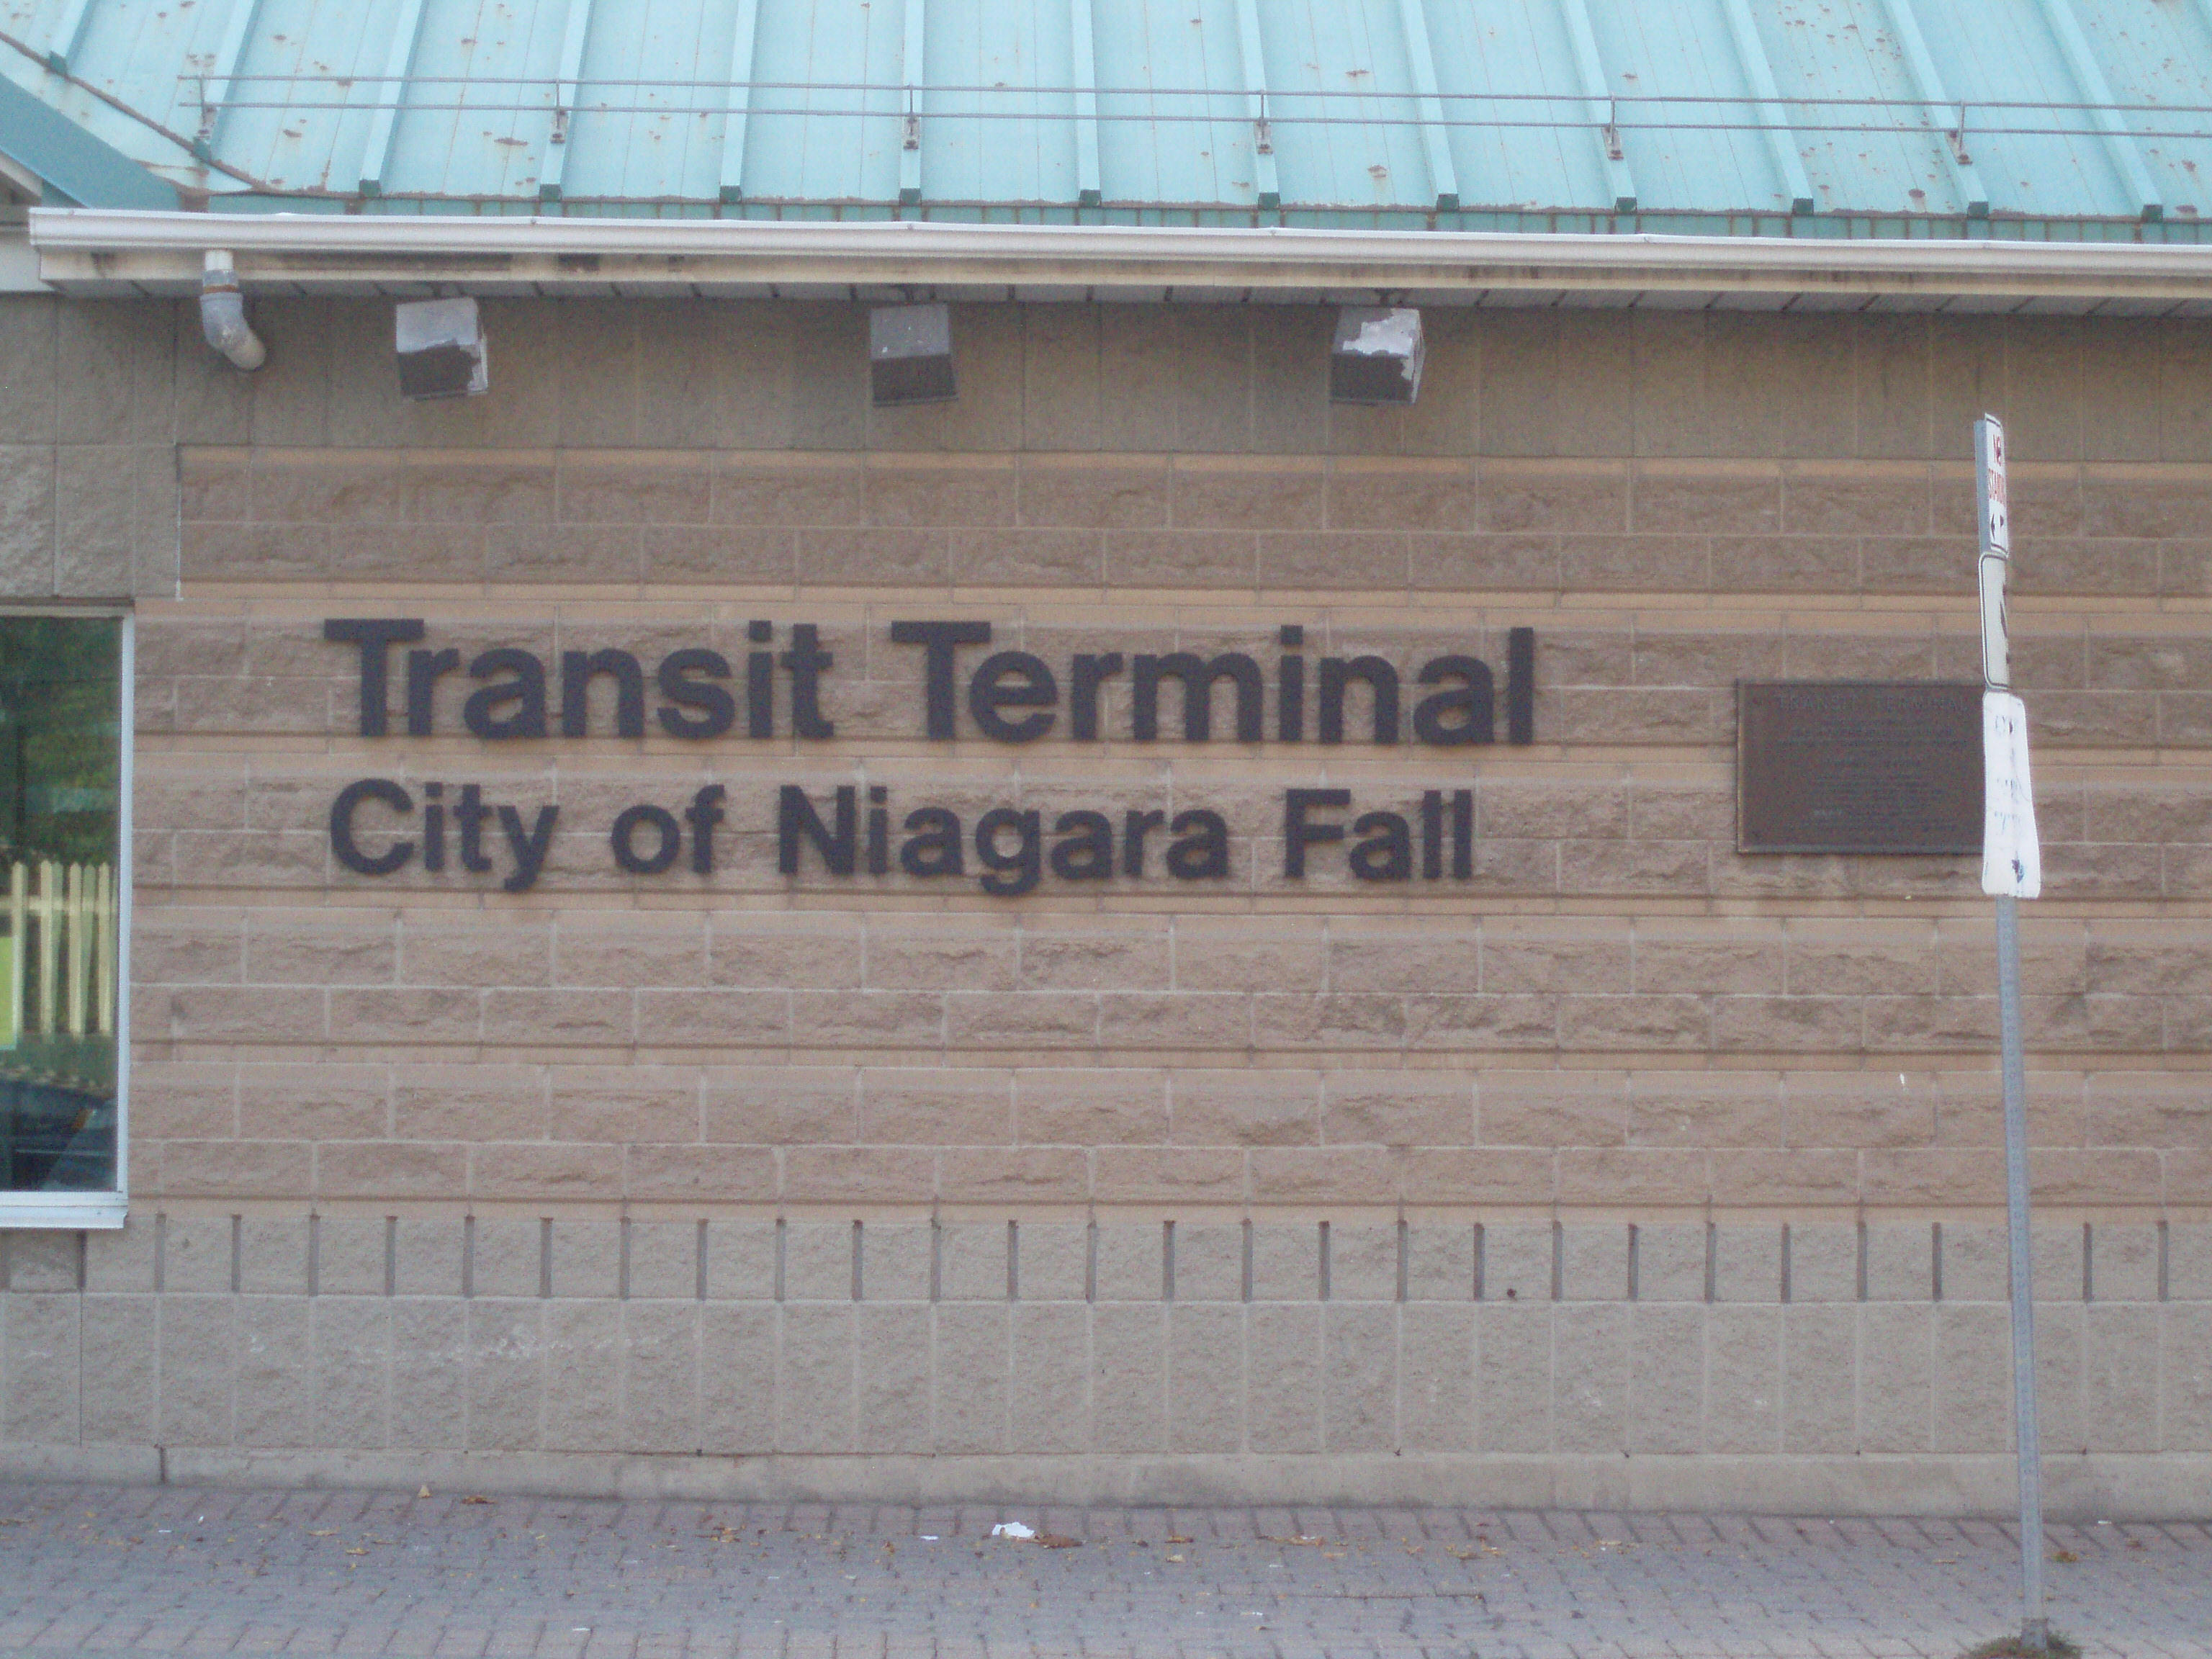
85 249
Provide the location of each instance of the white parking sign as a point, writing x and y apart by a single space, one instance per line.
1996 528
2012 859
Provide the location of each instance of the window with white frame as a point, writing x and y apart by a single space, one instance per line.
63 1002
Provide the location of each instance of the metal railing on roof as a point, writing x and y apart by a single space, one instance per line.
1637 112
1788 128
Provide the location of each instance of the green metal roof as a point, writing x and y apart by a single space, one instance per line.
2038 118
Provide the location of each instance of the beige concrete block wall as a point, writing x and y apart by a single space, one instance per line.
1630 1170
1856 1364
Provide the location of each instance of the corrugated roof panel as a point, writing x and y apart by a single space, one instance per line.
1184 95
1340 101
479 105
2006 56
1695 154
826 110
1001 128
1171 128
1517 142
1834 50
638 133
133 50
33 20
305 92
149 54
2160 56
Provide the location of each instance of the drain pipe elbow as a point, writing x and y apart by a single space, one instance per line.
222 314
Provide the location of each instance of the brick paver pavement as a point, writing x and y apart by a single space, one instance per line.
97 1571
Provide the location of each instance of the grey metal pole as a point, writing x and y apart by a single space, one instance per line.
2011 867
2035 1628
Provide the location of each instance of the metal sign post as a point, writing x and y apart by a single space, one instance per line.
2012 870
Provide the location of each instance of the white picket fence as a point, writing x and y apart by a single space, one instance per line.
61 935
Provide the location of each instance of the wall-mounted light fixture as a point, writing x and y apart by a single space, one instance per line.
911 355
1376 356
442 350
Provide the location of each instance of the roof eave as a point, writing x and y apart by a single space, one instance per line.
73 163
86 249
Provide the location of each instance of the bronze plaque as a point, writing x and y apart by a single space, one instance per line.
1858 766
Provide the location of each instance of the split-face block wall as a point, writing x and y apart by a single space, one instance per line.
1577 1159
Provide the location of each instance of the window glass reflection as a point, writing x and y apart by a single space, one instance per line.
60 772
